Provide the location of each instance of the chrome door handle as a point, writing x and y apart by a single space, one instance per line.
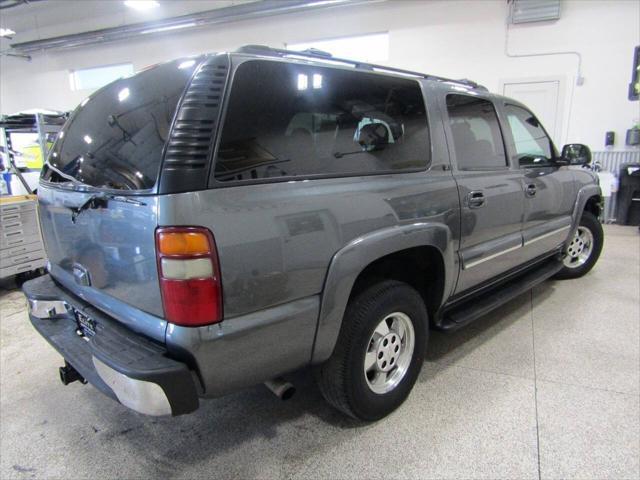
475 199
531 190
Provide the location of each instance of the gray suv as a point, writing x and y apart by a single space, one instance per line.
218 221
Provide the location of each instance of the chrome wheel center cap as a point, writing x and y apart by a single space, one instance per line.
388 351
580 248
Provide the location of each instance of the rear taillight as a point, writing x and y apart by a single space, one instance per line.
189 276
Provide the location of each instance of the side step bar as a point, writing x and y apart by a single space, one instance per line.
475 307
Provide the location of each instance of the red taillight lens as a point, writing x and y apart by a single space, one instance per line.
191 302
189 276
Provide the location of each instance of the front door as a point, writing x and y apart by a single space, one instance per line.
491 193
549 189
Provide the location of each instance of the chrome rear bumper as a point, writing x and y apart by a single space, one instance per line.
122 364
47 308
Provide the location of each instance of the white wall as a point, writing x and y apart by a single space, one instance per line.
456 39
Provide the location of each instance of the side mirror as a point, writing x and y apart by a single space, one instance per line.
575 154
373 136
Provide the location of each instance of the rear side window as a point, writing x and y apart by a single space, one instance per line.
476 134
290 120
532 145
115 138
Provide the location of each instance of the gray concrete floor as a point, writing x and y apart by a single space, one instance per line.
545 387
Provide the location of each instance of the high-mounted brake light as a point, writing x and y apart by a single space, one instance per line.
189 276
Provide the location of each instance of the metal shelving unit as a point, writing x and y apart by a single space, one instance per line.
45 125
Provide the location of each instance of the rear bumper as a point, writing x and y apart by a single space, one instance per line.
122 364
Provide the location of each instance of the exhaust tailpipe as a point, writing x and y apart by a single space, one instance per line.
280 388
68 374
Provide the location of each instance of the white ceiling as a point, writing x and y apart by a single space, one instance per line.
52 18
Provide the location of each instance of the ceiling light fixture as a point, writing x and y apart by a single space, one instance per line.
142 5
169 27
6 32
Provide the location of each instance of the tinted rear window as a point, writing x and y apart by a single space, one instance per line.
291 120
115 138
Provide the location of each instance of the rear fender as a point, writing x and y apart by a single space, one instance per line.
352 259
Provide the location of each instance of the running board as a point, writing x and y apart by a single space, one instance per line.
475 307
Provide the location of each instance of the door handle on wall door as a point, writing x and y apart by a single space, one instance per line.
475 199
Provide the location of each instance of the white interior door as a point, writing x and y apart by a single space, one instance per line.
542 98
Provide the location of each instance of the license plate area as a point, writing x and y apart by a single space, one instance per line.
86 326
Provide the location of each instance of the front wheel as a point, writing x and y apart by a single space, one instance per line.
379 352
584 249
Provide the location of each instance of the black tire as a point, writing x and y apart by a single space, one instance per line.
342 379
591 223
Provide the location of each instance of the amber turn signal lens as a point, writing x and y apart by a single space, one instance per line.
183 243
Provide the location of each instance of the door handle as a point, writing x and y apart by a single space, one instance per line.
475 199
531 190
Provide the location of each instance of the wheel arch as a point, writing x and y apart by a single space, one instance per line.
420 267
594 205
383 253
589 198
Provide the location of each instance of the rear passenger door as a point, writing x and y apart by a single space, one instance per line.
490 190
549 188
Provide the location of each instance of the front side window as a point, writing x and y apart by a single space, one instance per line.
290 120
532 145
476 134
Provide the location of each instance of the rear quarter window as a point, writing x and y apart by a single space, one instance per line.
288 120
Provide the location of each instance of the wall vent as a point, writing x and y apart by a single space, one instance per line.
526 11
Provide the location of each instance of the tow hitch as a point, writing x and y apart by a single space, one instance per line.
68 374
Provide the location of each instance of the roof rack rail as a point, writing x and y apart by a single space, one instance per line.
471 83
316 54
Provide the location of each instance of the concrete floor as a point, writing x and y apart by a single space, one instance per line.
545 387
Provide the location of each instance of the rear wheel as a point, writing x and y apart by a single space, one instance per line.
379 352
584 248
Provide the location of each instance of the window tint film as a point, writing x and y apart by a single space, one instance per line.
289 120
532 145
477 138
115 138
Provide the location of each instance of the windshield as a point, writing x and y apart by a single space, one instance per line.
115 138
